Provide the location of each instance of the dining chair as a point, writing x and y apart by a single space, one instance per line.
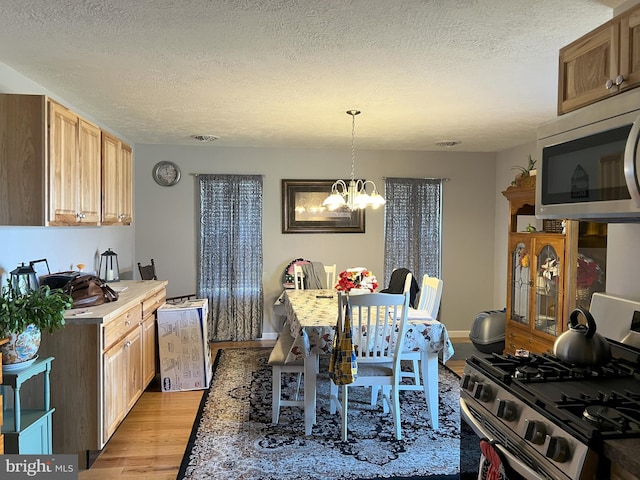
298 277
430 295
147 272
331 275
375 318
278 366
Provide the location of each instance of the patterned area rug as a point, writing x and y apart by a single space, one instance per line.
233 437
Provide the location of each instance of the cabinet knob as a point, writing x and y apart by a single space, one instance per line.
608 84
619 80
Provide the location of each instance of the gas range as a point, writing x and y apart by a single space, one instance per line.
550 418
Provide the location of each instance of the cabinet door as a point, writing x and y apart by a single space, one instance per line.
519 283
586 65
117 181
63 167
110 159
114 393
148 349
630 49
89 173
548 264
133 367
125 186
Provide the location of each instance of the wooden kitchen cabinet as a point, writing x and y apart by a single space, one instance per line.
123 383
117 181
604 62
74 168
60 169
105 362
549 273
51 160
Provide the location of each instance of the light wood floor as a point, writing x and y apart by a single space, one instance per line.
150 443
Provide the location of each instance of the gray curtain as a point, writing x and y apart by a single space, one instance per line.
413 226
230 264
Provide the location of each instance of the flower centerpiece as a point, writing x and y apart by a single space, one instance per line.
357 279
588 273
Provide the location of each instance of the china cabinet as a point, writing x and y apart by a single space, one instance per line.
549 272
601 63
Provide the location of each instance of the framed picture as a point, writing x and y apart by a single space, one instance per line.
302 210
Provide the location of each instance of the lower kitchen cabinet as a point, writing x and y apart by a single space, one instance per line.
104 364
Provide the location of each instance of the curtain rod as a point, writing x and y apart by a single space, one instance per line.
249 174
444 179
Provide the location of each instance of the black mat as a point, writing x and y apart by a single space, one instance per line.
239 406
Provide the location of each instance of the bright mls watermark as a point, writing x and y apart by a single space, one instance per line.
39 467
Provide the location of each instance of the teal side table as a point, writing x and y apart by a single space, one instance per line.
27 431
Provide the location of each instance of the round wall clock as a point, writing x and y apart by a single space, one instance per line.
166 173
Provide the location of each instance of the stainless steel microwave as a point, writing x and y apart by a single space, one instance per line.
589 162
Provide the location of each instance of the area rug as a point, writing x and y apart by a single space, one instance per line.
233 437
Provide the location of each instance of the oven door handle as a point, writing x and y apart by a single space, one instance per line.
511 460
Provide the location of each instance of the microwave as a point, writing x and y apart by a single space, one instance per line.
589 163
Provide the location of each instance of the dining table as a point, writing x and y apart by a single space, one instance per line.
311 318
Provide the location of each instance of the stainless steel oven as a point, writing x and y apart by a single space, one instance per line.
549 419
589 162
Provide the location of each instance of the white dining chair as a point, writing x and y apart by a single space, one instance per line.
278 366
382 316
298 277
331 275
429 303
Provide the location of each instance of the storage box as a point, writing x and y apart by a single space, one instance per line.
488 331
183 346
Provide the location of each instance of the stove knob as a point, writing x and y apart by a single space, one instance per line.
557 449
535 431
467 382
507 409
482 392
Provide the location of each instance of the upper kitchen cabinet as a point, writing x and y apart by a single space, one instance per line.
74 168
117 181
602 63
49 164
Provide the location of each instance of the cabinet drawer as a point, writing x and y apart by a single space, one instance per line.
121 325
152 303
521 340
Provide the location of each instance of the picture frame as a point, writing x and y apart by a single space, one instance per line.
302 210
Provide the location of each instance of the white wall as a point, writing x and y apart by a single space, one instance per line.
166 228
63 247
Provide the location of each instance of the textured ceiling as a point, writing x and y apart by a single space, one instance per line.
275 73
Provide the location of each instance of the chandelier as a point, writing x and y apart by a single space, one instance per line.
353 196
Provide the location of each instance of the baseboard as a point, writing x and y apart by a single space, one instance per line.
458 333
269 336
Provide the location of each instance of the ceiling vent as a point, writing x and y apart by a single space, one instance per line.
205 138
448 143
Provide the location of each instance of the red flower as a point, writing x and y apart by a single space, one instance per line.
588 272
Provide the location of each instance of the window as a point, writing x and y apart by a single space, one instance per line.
413 226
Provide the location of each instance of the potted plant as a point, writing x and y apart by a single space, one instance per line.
524 177
24 315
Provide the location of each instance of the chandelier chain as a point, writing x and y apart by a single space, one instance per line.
353 146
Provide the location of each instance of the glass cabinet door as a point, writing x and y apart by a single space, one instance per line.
548 290
520 283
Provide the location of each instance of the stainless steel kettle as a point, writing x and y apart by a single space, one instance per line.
581 345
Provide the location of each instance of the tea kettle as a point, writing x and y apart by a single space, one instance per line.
581 345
